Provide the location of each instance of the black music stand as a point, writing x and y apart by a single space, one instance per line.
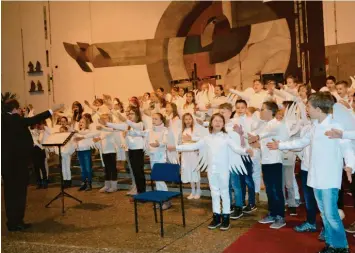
59 143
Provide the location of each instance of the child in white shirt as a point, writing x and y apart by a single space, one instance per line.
256 98
326 168
107 141
189 160
217 145
271 164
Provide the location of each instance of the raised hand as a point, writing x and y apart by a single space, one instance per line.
334 134
86 102
273 145
57 107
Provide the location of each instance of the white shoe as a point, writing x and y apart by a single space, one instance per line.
197 195
113 186
106 187
191 196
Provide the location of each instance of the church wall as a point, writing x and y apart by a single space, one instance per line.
339 33
23 40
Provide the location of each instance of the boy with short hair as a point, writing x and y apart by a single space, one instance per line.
326 167
271 164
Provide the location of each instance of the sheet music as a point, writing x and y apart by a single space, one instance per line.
56 138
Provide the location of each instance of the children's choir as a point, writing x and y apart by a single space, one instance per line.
258 132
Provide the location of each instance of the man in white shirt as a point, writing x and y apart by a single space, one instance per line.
326 167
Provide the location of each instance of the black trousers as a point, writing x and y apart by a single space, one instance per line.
15 178
136 157
110 166
39 158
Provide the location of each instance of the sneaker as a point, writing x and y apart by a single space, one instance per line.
237 213
329 249
83 186
293 211
351 229
268 219
250 209
197 195
321 236
216 221
279 223
191 196
88 187
231 209
225 222
298 202
305 227
106 187
166 205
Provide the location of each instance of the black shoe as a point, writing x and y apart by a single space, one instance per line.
89 187
83 186
216 221
20 227
328 249
65 184
231 209
225 222
293 211
237 213
45 184
250 209
39 184
69 183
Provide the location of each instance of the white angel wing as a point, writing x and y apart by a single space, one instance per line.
202 159
210 92
352 78
292 120
236 163
232 98
173 156
303 113
344 117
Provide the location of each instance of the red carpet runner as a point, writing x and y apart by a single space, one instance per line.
262 239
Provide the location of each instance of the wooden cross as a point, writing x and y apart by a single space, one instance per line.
194 79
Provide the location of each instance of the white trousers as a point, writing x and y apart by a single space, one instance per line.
161 185
66 160
257 175
219 186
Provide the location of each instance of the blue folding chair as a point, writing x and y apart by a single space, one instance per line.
161 172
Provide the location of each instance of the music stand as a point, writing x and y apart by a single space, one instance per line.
59 140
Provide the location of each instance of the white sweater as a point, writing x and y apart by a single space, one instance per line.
133 142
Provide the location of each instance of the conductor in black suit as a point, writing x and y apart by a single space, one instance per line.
17 146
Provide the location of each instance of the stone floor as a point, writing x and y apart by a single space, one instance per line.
105 223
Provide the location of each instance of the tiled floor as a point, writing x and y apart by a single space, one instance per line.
105 223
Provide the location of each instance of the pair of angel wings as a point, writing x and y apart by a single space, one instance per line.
236 163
